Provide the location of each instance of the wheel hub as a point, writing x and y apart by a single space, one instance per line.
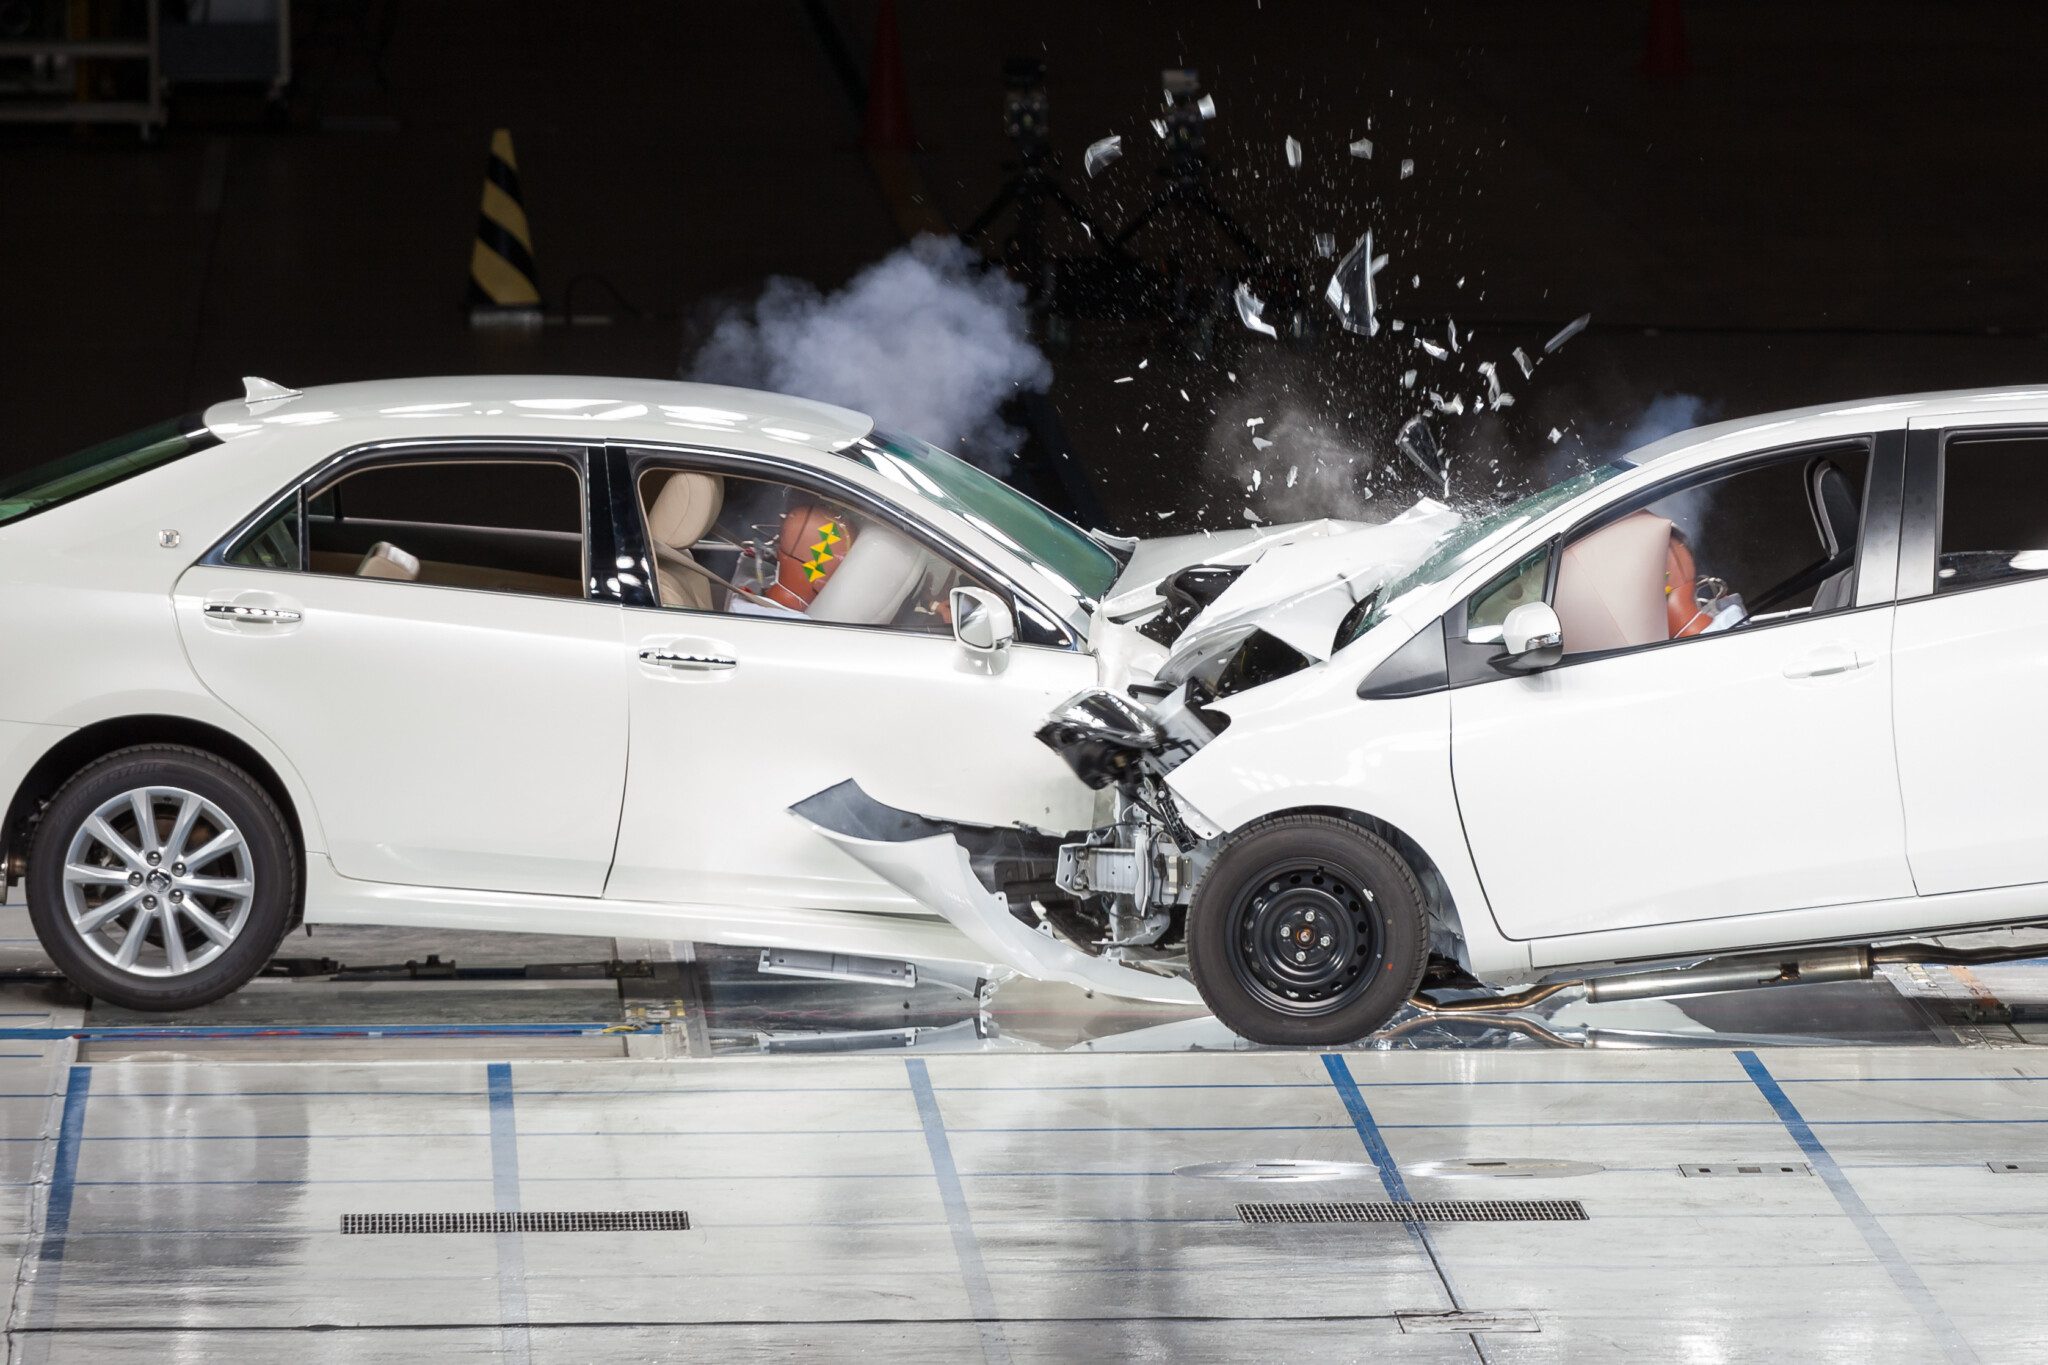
1307 937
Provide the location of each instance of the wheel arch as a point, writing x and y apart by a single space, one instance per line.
90 743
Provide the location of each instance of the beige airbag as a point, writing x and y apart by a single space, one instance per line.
1610 586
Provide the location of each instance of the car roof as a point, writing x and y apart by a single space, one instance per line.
1853 417
580 408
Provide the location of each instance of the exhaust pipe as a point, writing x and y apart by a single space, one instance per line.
1734 974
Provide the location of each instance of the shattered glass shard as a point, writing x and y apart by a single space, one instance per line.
1567 332
1453 322
1292 470
1495 399
1436 352
1418 443
1326 244
1528 365
1407 379
1159 126
1555 436
1455 406
1351 290
1249 308
1362 149
1257 479
1294 153
1206 106
1260 443
1102 152
1407 169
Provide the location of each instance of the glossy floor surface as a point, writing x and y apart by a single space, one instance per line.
952 1182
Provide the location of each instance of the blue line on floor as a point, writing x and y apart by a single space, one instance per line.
1908 1281
981 1299
57 1213
515 1338
1389 1169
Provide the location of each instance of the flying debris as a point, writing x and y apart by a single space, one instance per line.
1326 244
1257 479
1362 149
1350 290
1294 153
1567 332
1159 126
1407 379
1261 443
1292 470
1528 365
1436 351
1495 399
1249 308
1255 421
1453 323
1101 153
1555 436
1455 405
1418 443
1124 379
1206 106
1407 169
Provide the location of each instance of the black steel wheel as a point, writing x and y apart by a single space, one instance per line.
1307 930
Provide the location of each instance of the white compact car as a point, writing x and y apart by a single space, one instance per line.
670 661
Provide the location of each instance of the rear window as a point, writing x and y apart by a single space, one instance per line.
97 467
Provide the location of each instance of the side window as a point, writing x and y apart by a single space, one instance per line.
1766 543
1994 511
757 547
497 524
1489 607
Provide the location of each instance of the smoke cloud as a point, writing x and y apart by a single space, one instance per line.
923 341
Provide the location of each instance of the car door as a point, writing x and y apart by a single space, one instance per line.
1971 645
738 715
413 631
1657 777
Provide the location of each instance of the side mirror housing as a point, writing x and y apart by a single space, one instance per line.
982 624
1532 639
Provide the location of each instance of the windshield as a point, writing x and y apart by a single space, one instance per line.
95 467
1470 539
1048 540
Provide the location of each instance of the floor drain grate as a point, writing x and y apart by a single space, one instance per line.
1747 1168
1420 1211
637 1220
2018 1167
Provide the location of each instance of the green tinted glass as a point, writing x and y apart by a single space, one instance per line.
96 467
1045 538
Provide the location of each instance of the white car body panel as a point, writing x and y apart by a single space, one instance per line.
720 755
1685 783
1976 807
458 738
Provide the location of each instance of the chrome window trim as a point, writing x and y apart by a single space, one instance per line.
578 456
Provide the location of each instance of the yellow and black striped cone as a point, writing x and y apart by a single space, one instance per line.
502 280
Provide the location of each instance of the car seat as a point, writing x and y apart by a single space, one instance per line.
1836 517
680 516
815 541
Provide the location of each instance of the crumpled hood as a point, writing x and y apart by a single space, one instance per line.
1298 588
1136 590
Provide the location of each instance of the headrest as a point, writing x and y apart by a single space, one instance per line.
386 560
1834 509
685 508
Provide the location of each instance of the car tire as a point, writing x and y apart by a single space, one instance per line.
108 895
1307 931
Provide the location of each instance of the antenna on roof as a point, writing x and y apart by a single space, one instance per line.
256 390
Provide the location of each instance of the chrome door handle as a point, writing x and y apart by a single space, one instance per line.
1827 663
248 615
694 663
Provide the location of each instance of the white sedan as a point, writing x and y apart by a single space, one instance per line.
670 661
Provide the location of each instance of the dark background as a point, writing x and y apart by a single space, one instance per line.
1831 200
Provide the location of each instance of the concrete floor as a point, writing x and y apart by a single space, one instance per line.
1002 1183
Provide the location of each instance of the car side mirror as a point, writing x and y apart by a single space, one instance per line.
1532 639
982 624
